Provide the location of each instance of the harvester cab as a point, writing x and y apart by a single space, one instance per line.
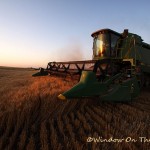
104 44
114 76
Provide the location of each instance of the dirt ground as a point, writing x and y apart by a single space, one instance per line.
31 117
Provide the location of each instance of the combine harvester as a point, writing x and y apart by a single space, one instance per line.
119 69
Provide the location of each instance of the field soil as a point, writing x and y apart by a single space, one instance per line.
31 117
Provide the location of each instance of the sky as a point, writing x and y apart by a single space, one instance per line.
35 32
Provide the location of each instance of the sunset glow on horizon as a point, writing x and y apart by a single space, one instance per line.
33 33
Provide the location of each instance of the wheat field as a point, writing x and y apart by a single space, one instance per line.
31 117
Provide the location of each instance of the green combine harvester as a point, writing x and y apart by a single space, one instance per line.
119 69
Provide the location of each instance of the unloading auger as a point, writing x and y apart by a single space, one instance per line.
119 69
